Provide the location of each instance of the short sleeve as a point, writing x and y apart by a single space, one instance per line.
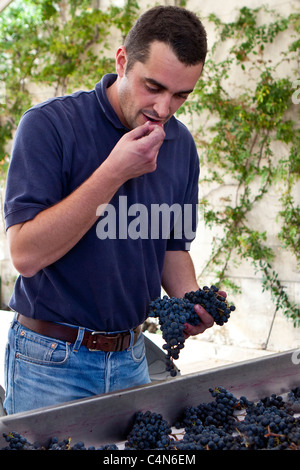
34 180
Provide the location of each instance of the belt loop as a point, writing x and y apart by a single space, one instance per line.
79 339
131 339
14 321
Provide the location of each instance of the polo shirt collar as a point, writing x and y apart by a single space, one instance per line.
170 128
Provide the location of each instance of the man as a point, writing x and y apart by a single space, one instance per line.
82 295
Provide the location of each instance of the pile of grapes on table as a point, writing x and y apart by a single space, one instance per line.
173 313
224 423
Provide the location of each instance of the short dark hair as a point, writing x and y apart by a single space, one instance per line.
181 29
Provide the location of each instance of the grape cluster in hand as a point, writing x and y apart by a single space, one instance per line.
173 313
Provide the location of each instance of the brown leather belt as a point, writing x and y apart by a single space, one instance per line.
93 340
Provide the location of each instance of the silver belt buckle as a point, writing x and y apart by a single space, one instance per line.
93 333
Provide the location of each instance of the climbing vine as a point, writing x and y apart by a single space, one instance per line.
249 144
63 44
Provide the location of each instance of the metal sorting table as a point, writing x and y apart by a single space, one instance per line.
108 418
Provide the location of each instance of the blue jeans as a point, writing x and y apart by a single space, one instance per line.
42 371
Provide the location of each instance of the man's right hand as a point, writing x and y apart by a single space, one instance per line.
136 152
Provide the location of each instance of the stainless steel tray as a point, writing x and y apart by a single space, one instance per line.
108 418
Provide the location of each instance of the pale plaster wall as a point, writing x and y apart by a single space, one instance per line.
253 325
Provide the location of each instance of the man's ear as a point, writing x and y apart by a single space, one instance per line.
121 61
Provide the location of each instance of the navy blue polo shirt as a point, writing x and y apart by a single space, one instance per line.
108 279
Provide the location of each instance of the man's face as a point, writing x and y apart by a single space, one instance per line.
153 90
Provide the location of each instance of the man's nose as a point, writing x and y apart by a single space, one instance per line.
162 106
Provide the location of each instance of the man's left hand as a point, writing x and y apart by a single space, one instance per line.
207 320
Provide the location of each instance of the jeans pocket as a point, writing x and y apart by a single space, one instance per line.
138 351
39 349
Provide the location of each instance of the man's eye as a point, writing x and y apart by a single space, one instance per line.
151 89
182 97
